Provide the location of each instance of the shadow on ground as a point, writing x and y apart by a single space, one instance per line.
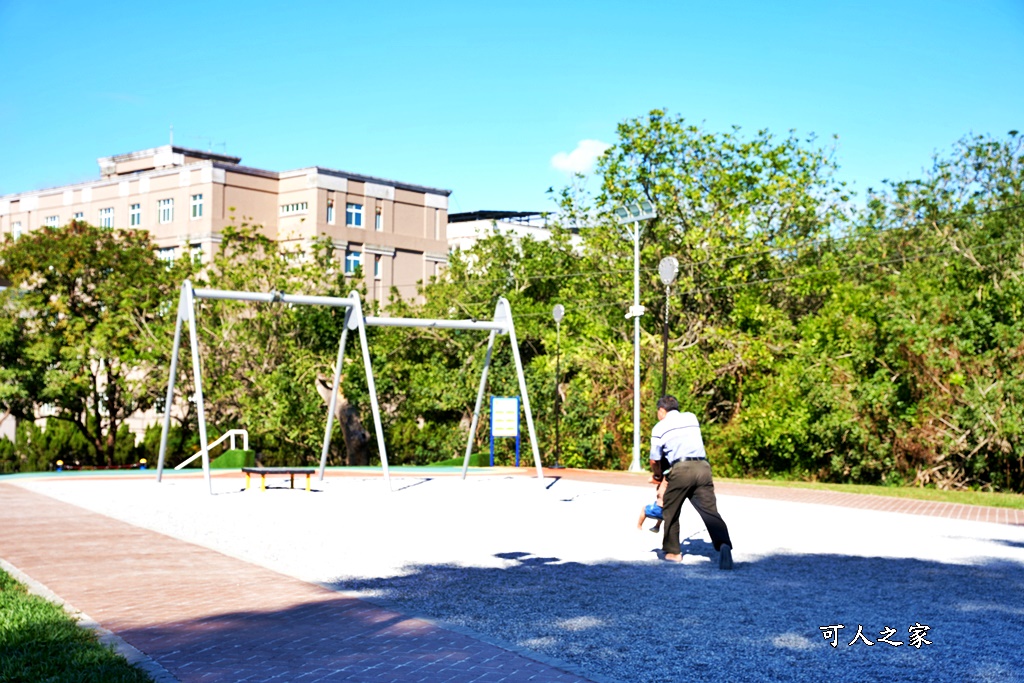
648 622
760 622
336 639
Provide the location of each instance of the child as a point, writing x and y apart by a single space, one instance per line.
653 510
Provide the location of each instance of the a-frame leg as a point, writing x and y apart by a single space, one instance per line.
334 393
170 384
479 400
522 385
371 387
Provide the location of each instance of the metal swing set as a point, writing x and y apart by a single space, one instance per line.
355 321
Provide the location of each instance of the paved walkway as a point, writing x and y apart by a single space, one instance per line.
204 616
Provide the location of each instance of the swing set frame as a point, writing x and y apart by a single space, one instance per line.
355 321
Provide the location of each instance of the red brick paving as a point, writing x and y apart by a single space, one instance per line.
204 616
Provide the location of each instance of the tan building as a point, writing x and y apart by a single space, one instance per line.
185 198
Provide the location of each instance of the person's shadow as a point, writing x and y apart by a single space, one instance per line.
693 548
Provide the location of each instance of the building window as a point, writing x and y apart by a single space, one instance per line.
378 220
79 216
165 207
197 206
135 215
376 266
107 217
166 254
353 260
292 209
330 212
16 229
52 221
196 252
354 215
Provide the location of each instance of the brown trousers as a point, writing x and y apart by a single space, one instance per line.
691 479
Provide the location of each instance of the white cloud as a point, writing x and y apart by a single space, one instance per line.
581 159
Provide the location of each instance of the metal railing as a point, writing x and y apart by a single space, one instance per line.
230 434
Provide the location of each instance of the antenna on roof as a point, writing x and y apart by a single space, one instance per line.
172 135
210 144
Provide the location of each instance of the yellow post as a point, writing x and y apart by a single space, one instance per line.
263 482
246 481
307 481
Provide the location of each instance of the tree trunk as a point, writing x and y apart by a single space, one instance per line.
110 444
357 440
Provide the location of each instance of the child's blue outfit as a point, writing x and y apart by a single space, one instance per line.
653 511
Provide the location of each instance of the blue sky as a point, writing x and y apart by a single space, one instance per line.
481 98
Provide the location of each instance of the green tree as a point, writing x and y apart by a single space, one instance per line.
734 210
909 370
82 330
428 379
267 366
949 317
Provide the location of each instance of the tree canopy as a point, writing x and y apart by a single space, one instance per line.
83 331
814 337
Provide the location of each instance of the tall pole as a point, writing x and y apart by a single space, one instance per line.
667 270
635 465
664 347
558 372
557 313
635 214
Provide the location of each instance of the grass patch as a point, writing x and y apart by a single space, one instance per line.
998 500
234 459
475 460
39 641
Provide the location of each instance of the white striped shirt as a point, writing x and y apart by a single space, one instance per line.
676 437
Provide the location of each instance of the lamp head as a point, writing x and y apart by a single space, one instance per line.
635 212
668 269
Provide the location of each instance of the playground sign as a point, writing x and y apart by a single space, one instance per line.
504 421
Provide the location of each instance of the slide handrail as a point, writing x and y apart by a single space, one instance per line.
230 433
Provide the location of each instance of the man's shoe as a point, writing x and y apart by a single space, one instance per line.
725 559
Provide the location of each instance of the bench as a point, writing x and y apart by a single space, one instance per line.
264 471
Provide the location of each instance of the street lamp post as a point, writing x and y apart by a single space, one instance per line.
667 270
635 213
558 313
